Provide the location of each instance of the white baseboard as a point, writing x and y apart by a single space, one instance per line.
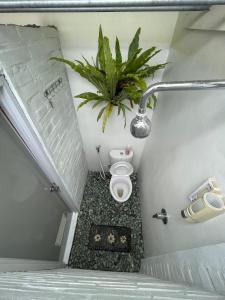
68 237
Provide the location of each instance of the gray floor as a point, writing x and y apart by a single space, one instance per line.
98 207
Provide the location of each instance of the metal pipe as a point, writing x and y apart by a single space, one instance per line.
107 9
85 5
103 3
178 86
141 125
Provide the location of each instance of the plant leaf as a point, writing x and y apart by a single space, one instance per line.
125 106
134 46
117 82
97 103
150 70
83 103
155 100
111 74
118 53
89 72
133 93
143 58
134 78
89 96
100 113
124 115
100 60
107 113
66 61
131 103
152 101
119 109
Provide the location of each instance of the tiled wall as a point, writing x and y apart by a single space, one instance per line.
24 58
75 284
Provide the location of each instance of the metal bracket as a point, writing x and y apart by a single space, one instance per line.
51 91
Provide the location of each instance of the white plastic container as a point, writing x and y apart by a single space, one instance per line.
210 205
207 186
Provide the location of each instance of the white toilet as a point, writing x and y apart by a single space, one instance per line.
121 169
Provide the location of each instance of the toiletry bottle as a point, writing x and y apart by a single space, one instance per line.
127 150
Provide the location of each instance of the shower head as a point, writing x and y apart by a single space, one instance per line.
140 126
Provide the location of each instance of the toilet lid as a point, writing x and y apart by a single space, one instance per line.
121 168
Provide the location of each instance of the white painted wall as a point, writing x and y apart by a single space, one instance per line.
187 143
78 36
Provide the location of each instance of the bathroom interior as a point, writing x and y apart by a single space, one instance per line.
117 208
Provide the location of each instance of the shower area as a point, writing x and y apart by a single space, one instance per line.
64 232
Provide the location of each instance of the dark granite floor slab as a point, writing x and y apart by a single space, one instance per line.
98 207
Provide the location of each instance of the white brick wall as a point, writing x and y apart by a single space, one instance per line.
24 58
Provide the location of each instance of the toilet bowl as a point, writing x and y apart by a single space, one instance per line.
120 183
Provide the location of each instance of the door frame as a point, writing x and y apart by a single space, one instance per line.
13 107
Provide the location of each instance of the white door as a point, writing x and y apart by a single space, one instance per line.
30 213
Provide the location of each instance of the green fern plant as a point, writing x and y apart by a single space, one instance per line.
119 83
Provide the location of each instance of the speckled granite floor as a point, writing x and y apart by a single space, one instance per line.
100 208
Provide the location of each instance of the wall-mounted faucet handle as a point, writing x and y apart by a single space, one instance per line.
161 216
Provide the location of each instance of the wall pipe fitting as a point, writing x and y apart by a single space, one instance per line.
140 126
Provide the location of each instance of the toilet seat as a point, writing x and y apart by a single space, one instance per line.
121 168
120 183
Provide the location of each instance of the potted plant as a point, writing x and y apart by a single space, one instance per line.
119 83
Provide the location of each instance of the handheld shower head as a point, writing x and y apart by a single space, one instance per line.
140 126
